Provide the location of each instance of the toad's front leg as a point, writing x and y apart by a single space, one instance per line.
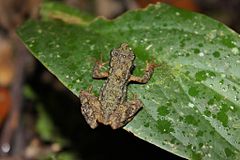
147 74
91 108
96 71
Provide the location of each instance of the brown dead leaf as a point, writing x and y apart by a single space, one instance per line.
5 102
185 4
6 63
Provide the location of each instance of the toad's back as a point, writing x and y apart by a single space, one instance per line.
114 91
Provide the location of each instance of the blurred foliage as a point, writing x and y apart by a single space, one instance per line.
60 156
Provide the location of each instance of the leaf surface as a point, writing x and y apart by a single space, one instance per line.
192 102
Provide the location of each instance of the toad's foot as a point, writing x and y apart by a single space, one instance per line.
125 113
96 70
91 108
147 74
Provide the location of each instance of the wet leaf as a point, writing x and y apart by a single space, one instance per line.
192 102
67 14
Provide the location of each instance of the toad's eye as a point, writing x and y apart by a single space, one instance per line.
131 57
114 53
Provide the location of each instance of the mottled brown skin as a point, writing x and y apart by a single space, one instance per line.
111 107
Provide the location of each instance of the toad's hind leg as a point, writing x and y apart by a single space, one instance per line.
91 108
125 113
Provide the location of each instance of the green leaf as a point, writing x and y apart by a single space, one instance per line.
60 156
46 129
67 14
44 126
191 104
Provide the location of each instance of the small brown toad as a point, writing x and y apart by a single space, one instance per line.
111 107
